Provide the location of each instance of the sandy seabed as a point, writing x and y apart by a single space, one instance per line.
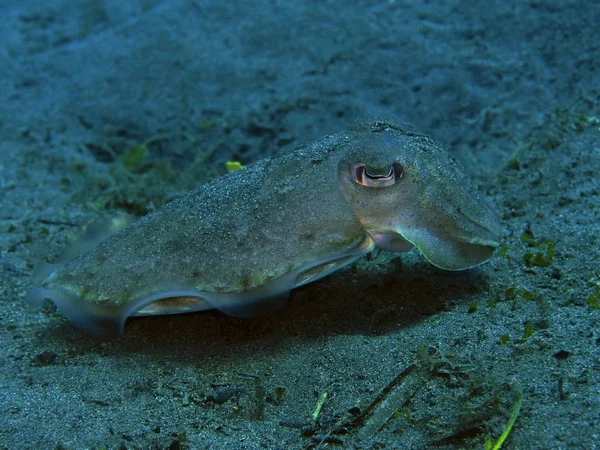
409 356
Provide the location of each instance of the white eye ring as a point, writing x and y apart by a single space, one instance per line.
364 178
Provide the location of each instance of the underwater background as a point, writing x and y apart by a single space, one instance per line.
112 106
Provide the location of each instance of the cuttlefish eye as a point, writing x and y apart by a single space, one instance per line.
376 178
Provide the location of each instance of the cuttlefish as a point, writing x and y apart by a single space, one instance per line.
240 243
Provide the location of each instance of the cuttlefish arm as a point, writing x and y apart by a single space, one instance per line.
240 243
407 191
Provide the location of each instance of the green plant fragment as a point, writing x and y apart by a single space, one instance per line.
527 237
233 166
514 164
134 158
528 331
543 257
593 300
511 421
320 402
527 295
510 294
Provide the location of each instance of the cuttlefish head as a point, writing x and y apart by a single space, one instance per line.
407 191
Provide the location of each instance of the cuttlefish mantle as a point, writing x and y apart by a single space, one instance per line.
240 243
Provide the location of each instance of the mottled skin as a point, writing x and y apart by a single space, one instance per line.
279 223
433 205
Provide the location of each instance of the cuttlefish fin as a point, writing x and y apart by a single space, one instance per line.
108 320
97 319
96 231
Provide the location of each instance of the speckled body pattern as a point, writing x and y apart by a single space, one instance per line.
277 224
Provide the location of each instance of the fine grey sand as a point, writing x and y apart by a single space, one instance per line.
389 353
